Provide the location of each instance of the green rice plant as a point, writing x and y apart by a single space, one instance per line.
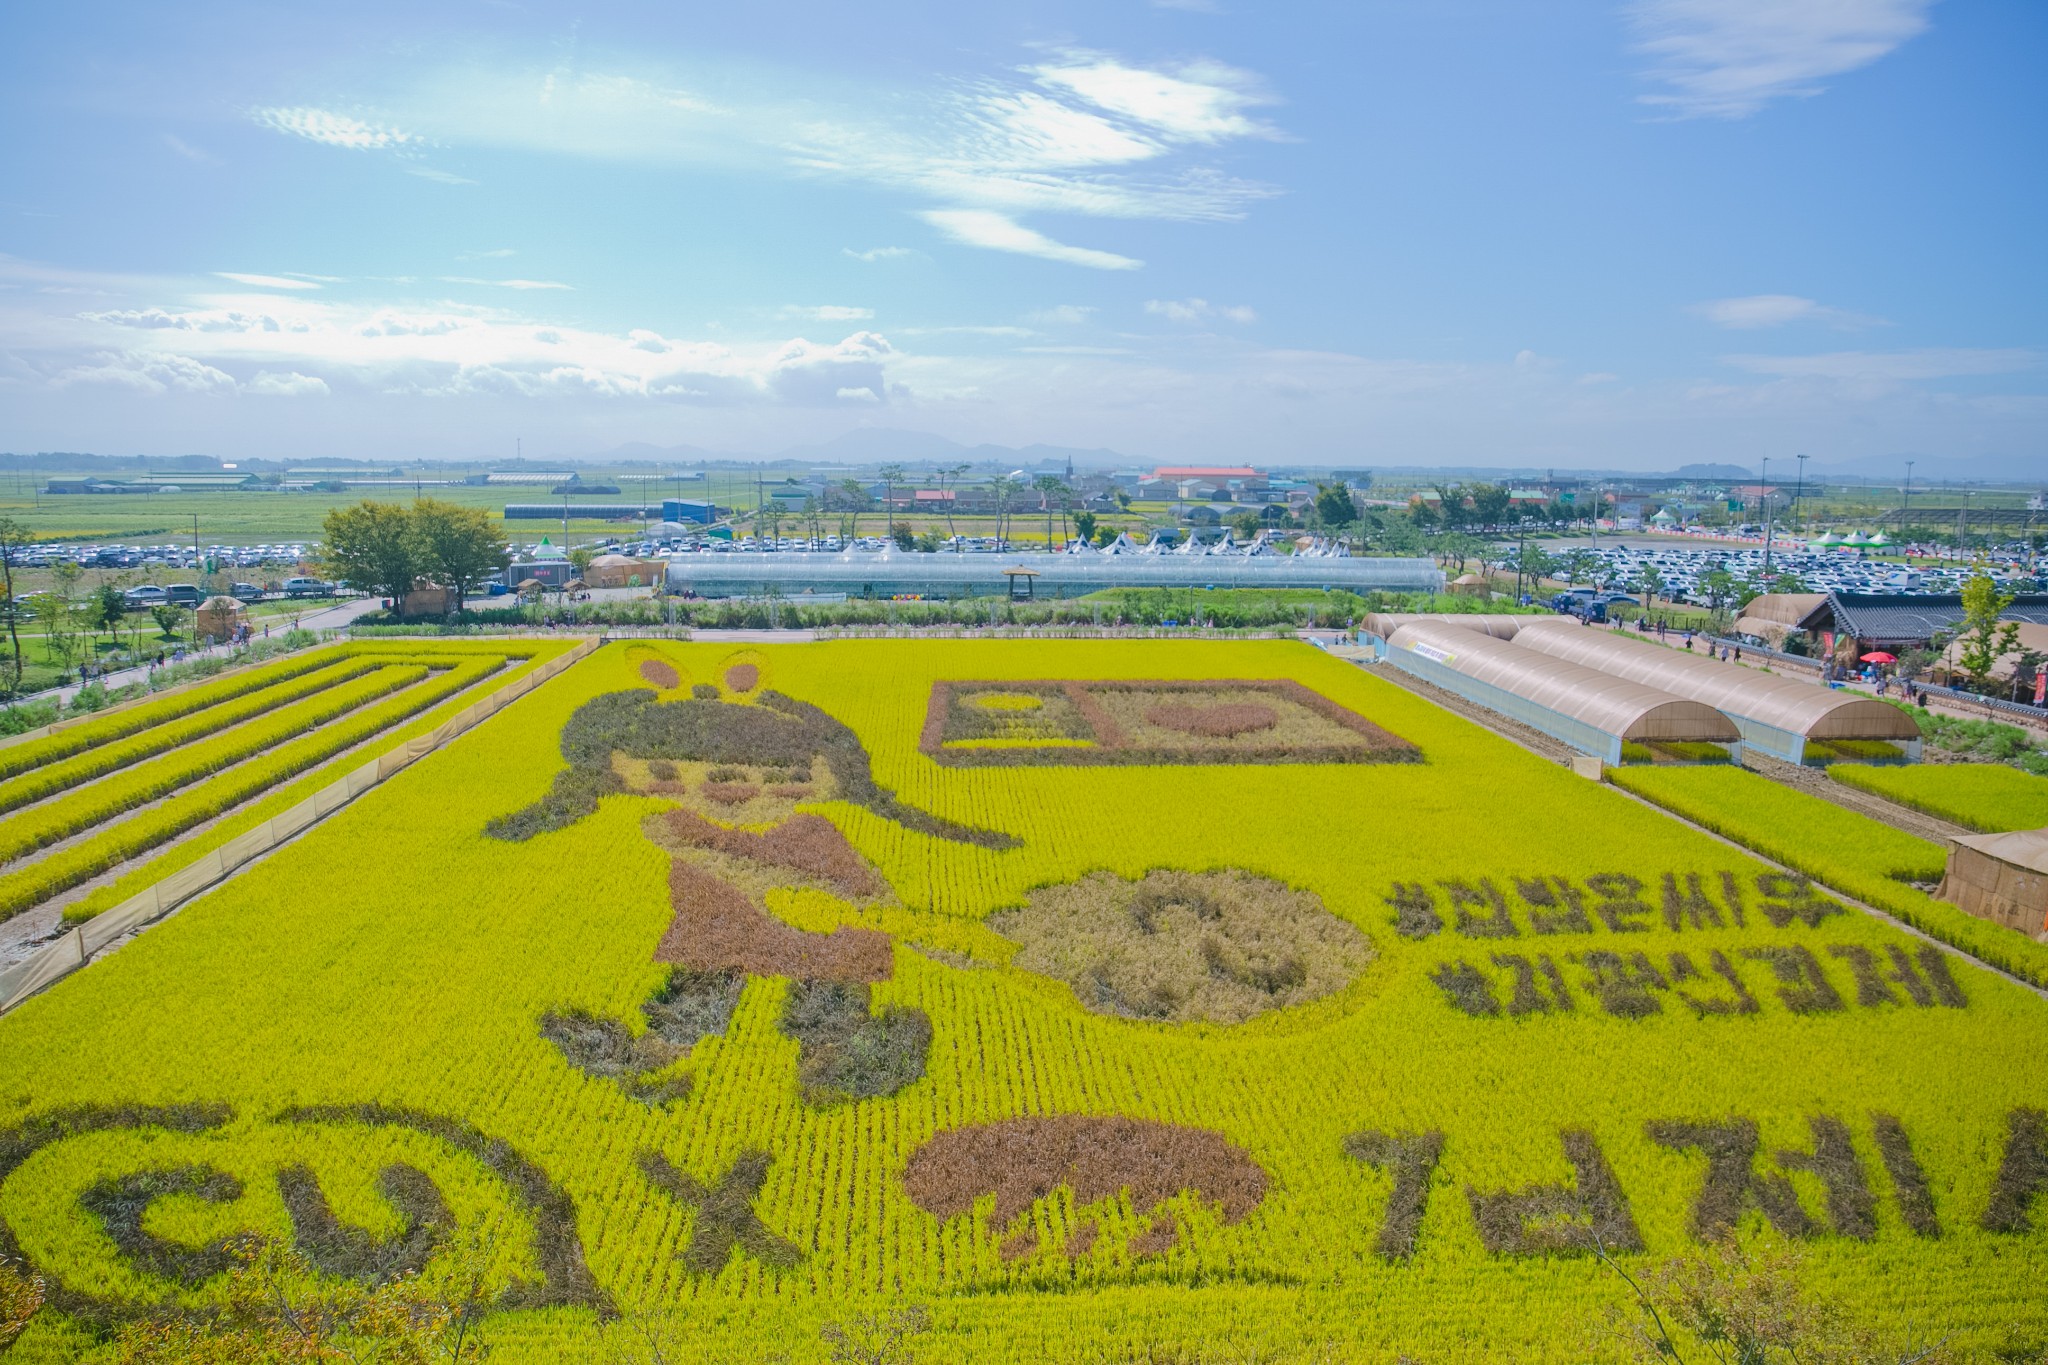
110 755
1983 796
1373 1172
185 852
1852 853
20 758
101 801
123 839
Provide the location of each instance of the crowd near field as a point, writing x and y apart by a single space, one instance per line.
987 1000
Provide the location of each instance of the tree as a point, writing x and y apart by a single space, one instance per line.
1490 503
1579 564
580 559
106 609
457 547
58 624
1334 505
168 618
892 474
370 546
1002 489
1984 639
1048 485
14 540
1653 583
947 478
1533 563
856 498
1084 525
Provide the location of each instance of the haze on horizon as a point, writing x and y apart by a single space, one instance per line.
1628 234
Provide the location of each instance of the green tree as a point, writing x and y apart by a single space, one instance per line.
1533 564
580 559
1049 487
1578 566
168 617
1334 506
106 609
14 542
1490 503
1983 638
371 547
892 474
455 546
1002 489
1652 580
1084 525
856 499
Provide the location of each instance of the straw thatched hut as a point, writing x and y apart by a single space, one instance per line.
1471 585
220 617
2002 878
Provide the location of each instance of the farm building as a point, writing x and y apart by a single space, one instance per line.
2002 878
1779 716
1594 712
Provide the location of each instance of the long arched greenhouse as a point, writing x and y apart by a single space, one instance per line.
1594 712
894 573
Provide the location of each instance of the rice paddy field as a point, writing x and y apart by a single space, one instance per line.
1106 1001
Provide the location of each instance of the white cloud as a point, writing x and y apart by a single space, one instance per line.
1775 310
439 177
859 395
1062 315
878 253
1933 363
1200 101
1197 310
267 281
332 129
287 384
980 227
827 312
151 374
506 284
1730 58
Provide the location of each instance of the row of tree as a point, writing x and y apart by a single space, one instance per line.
387 549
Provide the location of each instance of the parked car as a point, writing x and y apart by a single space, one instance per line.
183 595
148 595
307 587
246 592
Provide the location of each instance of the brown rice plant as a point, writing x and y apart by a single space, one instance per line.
21 1297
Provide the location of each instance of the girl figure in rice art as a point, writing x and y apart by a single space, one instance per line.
737 761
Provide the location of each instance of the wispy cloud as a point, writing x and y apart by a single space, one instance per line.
439 177
1731 58
878 253
1931 363
827 312
506 284
1062 315
189 152
332 129
288 384
994 231
1776 310
1198 310
1075 132
268 281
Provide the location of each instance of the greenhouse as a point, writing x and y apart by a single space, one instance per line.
1787 719
1594 712
894 573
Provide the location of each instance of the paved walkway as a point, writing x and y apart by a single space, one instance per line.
315 618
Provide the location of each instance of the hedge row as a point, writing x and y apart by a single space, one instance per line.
117 843
1852 853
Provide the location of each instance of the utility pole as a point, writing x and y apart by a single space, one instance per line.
196 561
1799 501
1763 491
1905 511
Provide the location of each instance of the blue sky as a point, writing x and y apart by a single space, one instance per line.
1418 231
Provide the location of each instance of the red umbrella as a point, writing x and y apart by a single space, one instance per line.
1878 656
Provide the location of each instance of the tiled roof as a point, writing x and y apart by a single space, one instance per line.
1892 616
